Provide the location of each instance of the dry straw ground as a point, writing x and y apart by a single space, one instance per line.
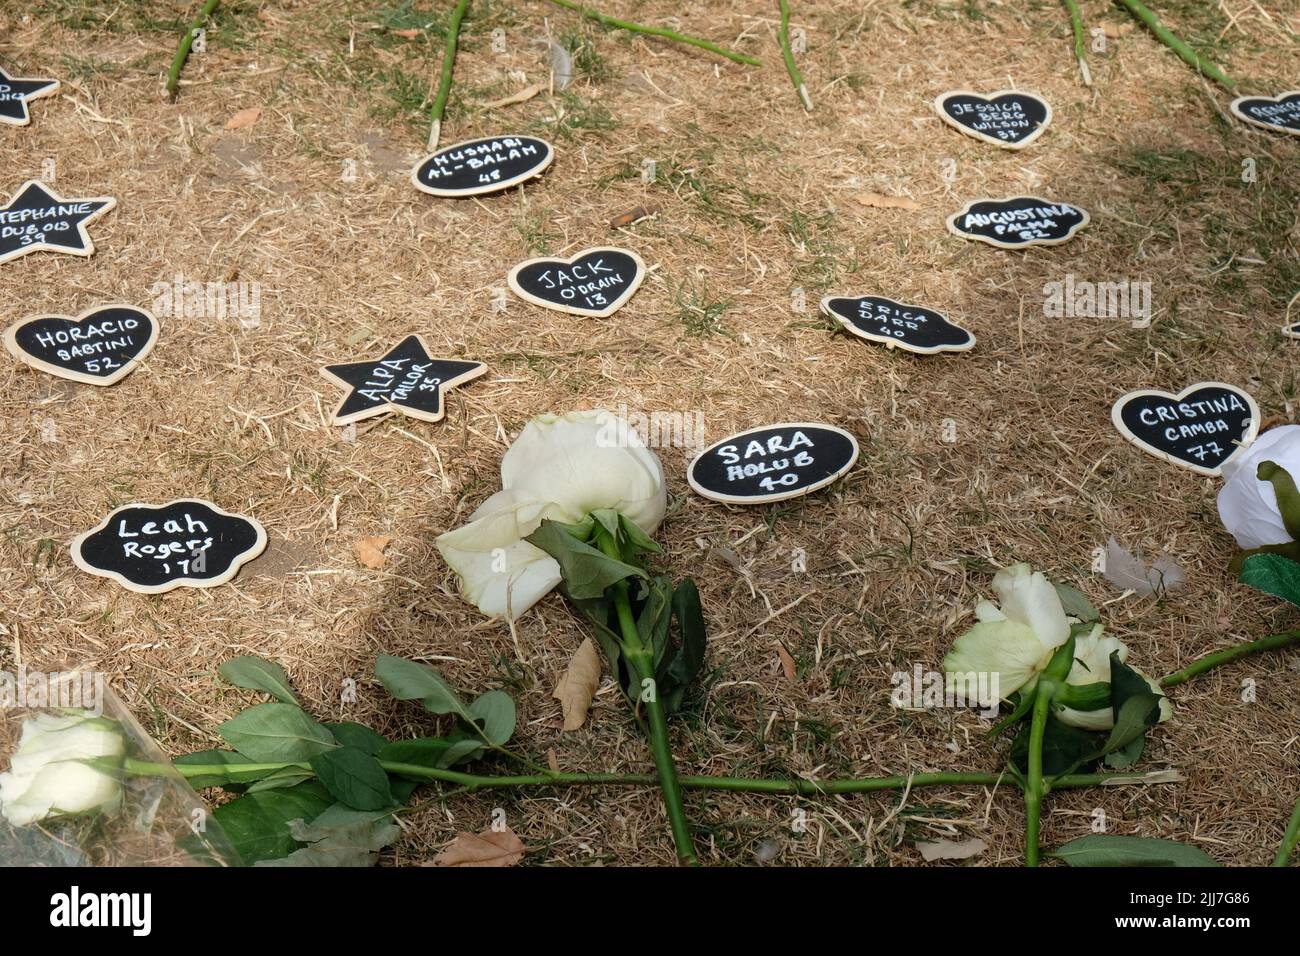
756 200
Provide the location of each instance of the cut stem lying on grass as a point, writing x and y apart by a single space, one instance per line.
1289 839
187 41
1228 655
1171 40
783 36
444 81
1080 51
667 34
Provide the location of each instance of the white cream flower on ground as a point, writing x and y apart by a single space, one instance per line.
1247 505
561 467
1092 664
48 777
1016 641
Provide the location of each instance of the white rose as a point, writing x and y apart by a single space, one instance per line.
1017 641
1248 506
1091 664
47 776
561 467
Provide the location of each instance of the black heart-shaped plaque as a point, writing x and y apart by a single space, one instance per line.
99 347
595 282
1007 118
1280 113
154 548
1018 222
910 327
1200 428
485 165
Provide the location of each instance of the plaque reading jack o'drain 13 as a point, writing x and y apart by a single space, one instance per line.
485 165
1007 118
897 324
1200 428
1280 113
595 282
155 548
98 347
773 463
1018 222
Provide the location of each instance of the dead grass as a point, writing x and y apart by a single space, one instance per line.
757 201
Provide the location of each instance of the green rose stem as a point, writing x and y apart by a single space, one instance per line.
187 41
778 787
783 36
641 661
444 81
1228 655
1171 40
656 32
1080 53
1289 839
1034 789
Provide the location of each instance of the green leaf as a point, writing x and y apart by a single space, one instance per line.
258 674
587 571
258 823
276 733
1064 748
1126 756
420 752
340 837
636 539
1076 604
1127 684
351 734
353 777
222 759
1103 850
692 639
284 777
608 519
1273 574
495 714
407 680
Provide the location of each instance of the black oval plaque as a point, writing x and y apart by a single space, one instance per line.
773 463
484 165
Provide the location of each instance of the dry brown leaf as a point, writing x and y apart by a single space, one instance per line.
244 118
552 760
489 848
370 551
527 93
787 663
881 201
406 34
951 849
578 685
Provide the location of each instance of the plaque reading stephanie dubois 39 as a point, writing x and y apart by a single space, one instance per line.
773 463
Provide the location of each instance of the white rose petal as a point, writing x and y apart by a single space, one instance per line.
1029 598
47 776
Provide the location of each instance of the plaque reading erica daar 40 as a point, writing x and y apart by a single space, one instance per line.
595 282
1018 222
155 548
98 347
1200 428
773 463
485 165
1007 118
910 327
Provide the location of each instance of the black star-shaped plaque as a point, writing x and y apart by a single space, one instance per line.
404 379
15 92
36 219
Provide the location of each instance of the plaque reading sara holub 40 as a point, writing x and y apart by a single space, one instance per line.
484 165
773 463
595 282
98 347
1007 118
1280 113
1018 222
155 548
898 324
1200 428
17 91
36 219
404 379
